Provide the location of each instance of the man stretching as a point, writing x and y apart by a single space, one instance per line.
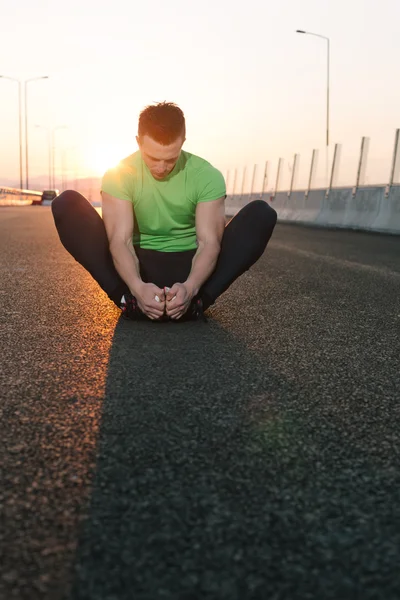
162 250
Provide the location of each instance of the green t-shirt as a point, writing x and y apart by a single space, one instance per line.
165 210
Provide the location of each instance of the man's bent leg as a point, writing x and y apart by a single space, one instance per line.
244 241
83 234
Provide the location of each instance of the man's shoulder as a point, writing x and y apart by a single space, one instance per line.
119 181
195 163
206 181
203 173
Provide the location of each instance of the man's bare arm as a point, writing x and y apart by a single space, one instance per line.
210 225
119 222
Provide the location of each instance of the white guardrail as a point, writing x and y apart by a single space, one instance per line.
373 208
15 197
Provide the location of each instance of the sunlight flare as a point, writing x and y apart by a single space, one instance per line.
101 157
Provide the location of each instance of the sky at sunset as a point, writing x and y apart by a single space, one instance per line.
250 87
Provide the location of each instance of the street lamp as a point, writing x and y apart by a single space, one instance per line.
20 125
26 124
327 78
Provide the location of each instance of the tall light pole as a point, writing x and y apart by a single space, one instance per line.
327 77
20 125
26 124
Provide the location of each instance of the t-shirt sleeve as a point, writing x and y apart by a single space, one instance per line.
210 185
118 182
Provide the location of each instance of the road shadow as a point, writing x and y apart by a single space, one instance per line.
212 482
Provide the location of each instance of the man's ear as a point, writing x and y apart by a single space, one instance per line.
138 140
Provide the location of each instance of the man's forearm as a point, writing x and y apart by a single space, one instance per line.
203 264
127 264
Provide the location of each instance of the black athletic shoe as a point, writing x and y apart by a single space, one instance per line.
130 309
195 311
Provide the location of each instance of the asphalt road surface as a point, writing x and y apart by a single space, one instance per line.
255 456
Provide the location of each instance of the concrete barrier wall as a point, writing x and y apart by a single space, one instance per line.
279 202
388 218
313 205
368 209
234 203
334 207
293 207
16 197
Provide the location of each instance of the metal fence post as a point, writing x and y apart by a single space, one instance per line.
293 174
335 163
243 180
265 178
227 182
395 160
312 169
234 181
280 161
252 182
361 163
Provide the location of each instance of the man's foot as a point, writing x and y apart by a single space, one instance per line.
132 312
129 307
195 312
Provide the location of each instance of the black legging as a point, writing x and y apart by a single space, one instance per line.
82 232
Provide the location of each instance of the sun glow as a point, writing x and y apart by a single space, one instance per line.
101 157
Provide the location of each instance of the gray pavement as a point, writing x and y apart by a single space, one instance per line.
252 457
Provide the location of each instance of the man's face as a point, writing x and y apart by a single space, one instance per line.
159 159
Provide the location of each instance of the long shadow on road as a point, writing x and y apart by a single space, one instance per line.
214 479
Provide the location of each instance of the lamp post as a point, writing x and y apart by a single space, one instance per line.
327 77
20 125
26 124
